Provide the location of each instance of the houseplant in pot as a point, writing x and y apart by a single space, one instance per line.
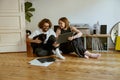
28 14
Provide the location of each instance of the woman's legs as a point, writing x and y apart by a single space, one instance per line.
66 48
91 55
81 51
78 47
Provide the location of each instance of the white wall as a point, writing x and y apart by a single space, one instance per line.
77 11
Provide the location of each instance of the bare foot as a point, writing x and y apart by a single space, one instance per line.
95 55
87 57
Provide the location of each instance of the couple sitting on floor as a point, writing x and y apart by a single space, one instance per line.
43 40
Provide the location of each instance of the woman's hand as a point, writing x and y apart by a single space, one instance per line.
70 38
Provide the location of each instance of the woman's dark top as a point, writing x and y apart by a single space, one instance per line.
65 31
67 47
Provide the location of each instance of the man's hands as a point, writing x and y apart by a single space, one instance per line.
37 40
55 44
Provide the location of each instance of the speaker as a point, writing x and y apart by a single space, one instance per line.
103 29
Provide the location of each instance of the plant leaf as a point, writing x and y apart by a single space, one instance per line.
28 5
31 9
28 11
29 14
28 18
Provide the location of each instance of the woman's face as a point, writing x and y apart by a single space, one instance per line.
45 27
61 24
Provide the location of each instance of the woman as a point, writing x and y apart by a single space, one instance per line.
75 43
43 40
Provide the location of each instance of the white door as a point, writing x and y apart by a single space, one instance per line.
12 26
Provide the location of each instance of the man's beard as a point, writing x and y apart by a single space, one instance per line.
45 30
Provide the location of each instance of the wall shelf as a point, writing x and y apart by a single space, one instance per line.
100 42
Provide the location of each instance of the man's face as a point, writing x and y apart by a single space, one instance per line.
45 27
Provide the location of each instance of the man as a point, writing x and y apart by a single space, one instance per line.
47 46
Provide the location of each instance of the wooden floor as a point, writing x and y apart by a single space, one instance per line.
14 66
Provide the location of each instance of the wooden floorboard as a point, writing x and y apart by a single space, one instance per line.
14 66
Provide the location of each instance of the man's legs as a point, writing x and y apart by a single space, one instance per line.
52 46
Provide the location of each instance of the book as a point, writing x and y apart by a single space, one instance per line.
62 38
42 61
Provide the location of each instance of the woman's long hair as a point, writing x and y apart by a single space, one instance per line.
65 20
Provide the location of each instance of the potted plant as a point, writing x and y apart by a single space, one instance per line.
28 14
28 11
